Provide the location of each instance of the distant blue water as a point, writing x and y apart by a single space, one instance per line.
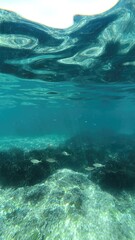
67 127
65 82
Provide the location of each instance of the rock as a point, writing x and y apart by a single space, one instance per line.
65 206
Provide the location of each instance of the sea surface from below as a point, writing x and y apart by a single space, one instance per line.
67 133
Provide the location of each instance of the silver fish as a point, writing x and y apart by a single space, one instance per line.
89 168
98 165
51 160
64 153
35 161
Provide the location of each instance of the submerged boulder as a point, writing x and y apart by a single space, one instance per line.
65 206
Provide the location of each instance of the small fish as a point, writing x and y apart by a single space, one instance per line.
51 160
89 168
98 165
64 153
50 145
35 161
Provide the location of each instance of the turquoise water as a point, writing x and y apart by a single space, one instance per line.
67 132
80 79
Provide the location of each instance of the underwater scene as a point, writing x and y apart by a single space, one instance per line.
67 127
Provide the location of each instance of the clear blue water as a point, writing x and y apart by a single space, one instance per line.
79 79
67 127
72 87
